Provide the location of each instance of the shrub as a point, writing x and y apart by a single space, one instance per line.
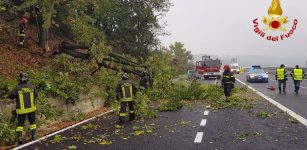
6 133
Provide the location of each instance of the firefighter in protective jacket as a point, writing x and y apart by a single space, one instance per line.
228 81
22 30
25 95
126 91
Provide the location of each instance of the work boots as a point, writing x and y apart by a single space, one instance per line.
32 135
19 137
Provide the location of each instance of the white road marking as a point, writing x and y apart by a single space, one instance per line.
280 106
206 113
303 87
203 122
62 130
199 137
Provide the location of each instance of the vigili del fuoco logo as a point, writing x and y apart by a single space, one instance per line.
276 23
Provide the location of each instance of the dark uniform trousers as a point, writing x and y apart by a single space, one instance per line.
123 108
282 83
21 118
227 89
228 83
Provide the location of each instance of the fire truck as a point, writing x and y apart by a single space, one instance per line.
208 68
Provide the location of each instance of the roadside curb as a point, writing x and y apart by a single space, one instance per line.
278 105
62 130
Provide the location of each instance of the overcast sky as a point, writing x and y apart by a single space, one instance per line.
225 27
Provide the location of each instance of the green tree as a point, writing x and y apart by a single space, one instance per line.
131 26
183 59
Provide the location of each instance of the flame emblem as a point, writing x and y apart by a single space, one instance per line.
276 20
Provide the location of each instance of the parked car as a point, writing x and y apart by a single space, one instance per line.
257 75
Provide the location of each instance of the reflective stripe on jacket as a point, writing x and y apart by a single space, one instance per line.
298 74
25 101
280 72
25 95
125 91
228 78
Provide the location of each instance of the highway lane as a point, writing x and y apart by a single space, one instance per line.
296 103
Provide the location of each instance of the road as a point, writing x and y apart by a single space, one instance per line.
296 103
195 127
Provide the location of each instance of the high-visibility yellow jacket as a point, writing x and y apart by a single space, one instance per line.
25 95
281 74
297 74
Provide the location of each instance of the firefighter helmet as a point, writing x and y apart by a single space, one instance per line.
125 76
23 77
226 67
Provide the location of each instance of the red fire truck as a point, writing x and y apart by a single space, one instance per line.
208 68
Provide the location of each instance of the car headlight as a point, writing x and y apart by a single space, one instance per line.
252 76
266 76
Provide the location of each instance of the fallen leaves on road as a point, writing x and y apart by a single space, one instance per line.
106 142
243 136
293 120
139 132
57 138
72 147
88 126
183 123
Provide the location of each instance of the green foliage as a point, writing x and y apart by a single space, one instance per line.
44 108
57 138
142 106
162 74
108 80
183 59
3 87
192 91
262 115
77 117
72 147
6 133
131 26
66 79
214 95
172 105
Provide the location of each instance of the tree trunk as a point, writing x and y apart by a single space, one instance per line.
42 37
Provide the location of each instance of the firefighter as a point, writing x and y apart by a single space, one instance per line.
25 95
125 91
241 70
228 81
297 76
144 82
21 30
281 77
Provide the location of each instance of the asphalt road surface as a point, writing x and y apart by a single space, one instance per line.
195 127
296 103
